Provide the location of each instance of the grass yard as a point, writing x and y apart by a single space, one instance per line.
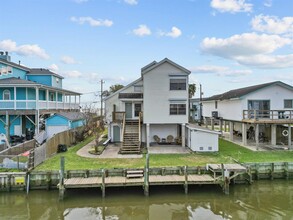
228 152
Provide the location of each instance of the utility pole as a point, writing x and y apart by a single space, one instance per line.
101 111
200 103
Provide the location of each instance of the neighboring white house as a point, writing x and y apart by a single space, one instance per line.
266 109
195 111
152 109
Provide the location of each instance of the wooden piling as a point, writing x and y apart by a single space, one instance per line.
186 180
61 178
48 180
103 186
9 182
272 170
146 176
257 171
286 170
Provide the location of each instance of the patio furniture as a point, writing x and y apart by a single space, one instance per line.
170 139
178 140
156 138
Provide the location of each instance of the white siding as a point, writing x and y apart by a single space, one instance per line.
109 106
203 141
157 95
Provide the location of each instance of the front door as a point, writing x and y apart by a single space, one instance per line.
116 134
128 110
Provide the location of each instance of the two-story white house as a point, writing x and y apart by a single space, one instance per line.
153 108
262 113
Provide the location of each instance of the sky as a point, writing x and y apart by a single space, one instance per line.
226 44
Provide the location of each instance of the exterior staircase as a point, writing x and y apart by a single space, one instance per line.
131 142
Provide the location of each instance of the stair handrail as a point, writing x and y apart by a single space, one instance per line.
123 127
139 133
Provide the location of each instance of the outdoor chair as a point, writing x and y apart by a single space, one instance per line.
170 139
157 139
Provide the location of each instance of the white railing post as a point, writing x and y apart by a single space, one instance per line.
14 97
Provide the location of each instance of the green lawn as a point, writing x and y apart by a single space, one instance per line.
228 152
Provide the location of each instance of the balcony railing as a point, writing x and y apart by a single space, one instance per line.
33 104
268 115
118 117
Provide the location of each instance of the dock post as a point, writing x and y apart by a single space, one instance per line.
272 170
257 171
250 175
103 187
48 180
226 180
9 182
186 180
146 176
286 170
61 178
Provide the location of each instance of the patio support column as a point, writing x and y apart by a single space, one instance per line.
256 136
47 98
225 126
183 134
78 100
69 101
274 134
75 102
244 134
7 126
37 119
206 122
26 97
14 97
213 123
221 126
147 135
56 101
37 98
231 126
63 100
289 136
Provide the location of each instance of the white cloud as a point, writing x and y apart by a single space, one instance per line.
174 33
23 50
142 30
220 71
72 74
266 62
131 2
268 3
92 22
246 44
272 24
250 49
53 67
68 60
232 6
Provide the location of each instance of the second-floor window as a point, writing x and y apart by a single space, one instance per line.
288 103
177 84
177 109
6 94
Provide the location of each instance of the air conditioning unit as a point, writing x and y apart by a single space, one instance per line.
215 114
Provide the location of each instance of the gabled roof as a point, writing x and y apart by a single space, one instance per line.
72 116
237 93
155 64
14 64
122 89
14 80
41 71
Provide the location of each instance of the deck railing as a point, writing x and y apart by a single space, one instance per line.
267 114
118 116
123 126
33 104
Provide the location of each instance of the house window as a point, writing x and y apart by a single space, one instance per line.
216 104
51 96
57 80
137 109
137 88
177 109
177 84
288 103
6 94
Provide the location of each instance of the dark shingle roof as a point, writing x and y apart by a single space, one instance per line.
237 93
41 71
14 80
130 95
72 116
14 64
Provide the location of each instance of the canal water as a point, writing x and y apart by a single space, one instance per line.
263 200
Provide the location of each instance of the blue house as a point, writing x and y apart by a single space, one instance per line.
63 121
29 95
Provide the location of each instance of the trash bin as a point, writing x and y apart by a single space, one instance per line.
61 148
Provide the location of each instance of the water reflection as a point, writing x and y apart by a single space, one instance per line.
262 200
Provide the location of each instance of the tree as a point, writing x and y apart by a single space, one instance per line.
191 90
115 88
